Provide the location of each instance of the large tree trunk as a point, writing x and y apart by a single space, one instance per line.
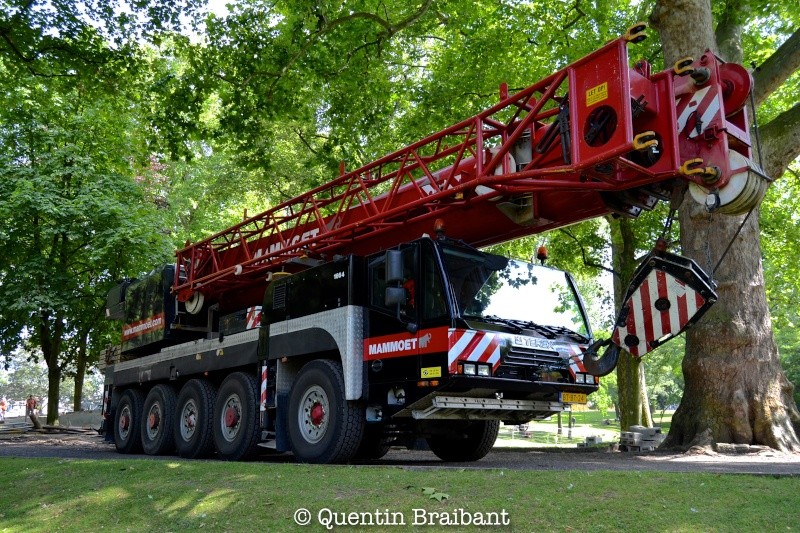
630 373
51 332
53 393
735 389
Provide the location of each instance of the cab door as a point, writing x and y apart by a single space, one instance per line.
391 343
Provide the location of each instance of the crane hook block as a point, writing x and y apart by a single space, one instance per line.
668 294
601 366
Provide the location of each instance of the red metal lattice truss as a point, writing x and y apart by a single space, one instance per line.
547 156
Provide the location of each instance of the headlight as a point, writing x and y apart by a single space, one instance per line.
578 378
484 370
469 368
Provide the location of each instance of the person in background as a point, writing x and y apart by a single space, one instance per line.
3 407
30 406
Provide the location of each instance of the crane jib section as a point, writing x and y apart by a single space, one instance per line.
598 136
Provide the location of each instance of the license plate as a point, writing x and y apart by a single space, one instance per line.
573 397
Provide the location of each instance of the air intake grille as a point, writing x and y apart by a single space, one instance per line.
279 296
530 357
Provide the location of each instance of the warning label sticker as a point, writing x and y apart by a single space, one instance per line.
431 372
597 94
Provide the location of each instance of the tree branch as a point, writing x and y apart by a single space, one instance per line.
780 141
586 261
777 68
729 30
305 142
388 31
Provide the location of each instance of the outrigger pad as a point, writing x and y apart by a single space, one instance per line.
668 294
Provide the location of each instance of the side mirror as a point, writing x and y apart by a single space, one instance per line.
395 296
394 266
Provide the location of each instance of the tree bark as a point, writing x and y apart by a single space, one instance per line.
735 389
777 68
51 332
633 411
647 414
80 371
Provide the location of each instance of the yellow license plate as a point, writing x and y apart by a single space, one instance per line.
573 397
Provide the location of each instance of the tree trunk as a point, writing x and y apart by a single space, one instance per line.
629 370
51 332
735 389
80 372
53 393
647 415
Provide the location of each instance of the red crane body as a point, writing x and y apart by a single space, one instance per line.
598 136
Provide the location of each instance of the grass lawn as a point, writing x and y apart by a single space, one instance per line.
44 495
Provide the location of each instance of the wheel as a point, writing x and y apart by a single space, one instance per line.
193 420
465 442
127 422
236 421
323 426
373 445
158 420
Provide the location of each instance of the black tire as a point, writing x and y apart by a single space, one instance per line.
158 420
194 417
323 426
469 442
128 422
373 445
236 417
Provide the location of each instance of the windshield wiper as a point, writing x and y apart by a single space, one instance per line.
549 332
497 320
561 330
552 332
546 331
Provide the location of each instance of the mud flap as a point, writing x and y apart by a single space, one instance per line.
668 294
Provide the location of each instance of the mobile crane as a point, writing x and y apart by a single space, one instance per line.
363 313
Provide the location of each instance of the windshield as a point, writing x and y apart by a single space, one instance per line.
490 286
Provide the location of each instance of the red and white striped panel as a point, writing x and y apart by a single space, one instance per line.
477 346
253 317
106 402
645 323
703 104
576 359
264 387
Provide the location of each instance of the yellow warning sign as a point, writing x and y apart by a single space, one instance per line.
597 94
431 372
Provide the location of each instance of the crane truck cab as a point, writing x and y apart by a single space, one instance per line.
435 340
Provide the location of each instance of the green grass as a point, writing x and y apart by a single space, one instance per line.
43 495
599 421
586 423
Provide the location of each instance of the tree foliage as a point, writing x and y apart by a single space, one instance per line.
71 146
118 133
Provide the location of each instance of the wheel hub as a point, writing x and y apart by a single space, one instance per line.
317 414
312 417
231 417
188 420
153 420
